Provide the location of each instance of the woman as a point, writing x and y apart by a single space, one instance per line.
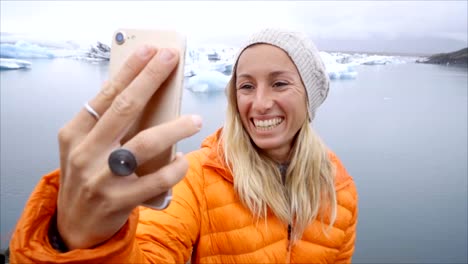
263 189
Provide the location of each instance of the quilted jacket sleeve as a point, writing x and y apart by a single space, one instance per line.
149 236
347 249
348 196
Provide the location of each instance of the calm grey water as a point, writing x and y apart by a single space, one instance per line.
401 131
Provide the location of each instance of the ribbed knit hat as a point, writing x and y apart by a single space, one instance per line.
304 55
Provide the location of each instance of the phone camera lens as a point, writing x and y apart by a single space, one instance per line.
120 38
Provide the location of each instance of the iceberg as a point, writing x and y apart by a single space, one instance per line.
24 50
220 59
17 46
192 69
99 51
207 81
338 71
27 50
13 64
375 60
342 66
365 59
40 40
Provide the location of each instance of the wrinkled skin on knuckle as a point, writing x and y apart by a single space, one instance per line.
129 67
170 177
78 160
164 180
110 91
143 144
92 192
125 105
65 135
97 194
110 203
154 73
87 191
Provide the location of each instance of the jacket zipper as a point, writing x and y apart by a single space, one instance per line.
288 256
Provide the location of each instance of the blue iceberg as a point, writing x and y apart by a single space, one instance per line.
207 81
13 64
32 47
338 71
24 50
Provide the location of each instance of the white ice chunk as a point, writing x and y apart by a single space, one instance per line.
13 64
207 81
24 50
338 71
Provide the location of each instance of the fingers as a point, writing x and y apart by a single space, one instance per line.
84 121
129 71
131 101
153 141
148 144
155 183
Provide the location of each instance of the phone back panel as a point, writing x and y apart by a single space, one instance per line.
164 105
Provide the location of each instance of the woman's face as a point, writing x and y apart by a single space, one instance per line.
271 99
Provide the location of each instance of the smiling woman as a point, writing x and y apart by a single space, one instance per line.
278 83
271 100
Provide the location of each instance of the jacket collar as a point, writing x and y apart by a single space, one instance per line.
213 145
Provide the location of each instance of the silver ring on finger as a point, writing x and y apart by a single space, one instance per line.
122 162
91 111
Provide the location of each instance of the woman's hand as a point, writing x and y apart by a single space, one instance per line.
93 204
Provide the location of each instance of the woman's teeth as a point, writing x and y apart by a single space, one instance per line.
267 124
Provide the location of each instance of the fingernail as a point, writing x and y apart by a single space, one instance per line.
197 121
144 52
166 55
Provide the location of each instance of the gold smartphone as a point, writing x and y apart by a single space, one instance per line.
164 105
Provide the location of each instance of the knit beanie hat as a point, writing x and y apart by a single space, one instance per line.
304 55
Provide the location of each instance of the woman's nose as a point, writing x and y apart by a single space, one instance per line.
263 100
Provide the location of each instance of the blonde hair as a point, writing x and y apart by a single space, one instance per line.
308 188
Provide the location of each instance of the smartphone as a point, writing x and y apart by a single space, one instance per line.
164 105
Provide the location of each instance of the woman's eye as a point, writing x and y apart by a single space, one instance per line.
246 86
279 84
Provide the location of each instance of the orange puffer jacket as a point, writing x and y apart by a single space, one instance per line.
205 221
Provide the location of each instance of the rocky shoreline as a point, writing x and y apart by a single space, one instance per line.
457 58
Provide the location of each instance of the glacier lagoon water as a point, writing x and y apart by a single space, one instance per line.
400 130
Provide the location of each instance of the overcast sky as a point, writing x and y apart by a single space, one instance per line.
387 26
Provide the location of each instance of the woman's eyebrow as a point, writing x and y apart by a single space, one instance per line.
244 75
271 74
276 73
